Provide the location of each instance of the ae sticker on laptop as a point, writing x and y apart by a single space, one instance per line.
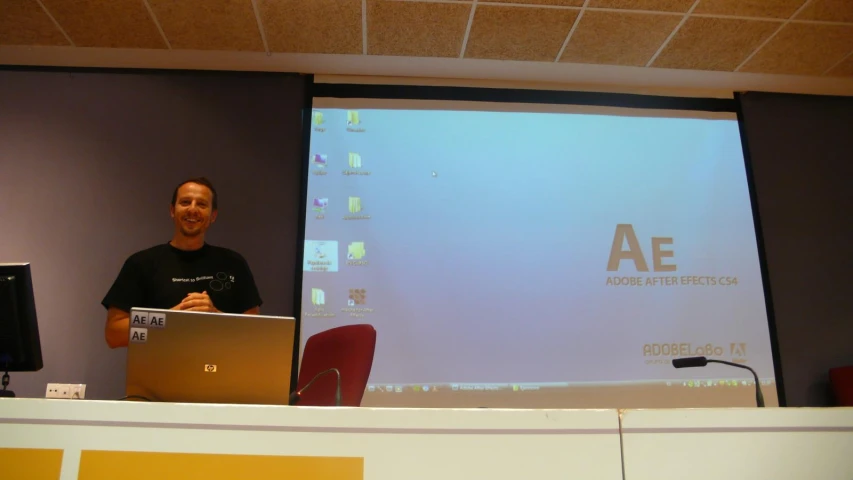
138 335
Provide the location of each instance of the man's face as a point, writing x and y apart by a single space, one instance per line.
193 210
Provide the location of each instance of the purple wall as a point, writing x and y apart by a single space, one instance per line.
802 156
88 162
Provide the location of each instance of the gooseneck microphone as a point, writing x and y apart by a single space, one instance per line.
5 382
295 396
689 362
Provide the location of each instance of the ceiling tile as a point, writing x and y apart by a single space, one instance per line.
803 49
209 24
416 29
23 22
679 6
843 69
618 38
517 33
318 26
750 8
106 23
829 10
565 3
714 43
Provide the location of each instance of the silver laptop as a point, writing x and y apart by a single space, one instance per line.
195 357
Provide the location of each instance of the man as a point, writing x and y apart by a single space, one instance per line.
184 274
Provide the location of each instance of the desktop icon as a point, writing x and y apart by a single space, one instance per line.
318 297
319 205
354 204
320 256
318 118
320 160
357 296
352 118
354 160
355 251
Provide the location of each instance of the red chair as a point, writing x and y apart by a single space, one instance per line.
841 380
349 349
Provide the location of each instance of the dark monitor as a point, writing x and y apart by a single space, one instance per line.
20 346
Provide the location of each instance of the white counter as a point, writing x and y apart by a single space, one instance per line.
771 443
136 440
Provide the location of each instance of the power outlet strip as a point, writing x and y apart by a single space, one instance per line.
75 391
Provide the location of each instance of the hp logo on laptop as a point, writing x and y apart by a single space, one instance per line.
209 368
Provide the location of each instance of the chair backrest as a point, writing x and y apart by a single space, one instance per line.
841 380
348 348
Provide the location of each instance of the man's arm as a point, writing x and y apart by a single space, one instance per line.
248 290
126 292
118 327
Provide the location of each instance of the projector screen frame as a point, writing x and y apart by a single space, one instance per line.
762 254
537 97
307 108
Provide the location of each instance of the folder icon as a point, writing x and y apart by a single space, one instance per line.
355 251
318 118
320 204
352 118
354 160
354 204
318 297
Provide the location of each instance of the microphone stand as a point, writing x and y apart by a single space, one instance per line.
5 382
295 396
702 361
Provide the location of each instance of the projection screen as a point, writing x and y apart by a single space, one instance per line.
529 256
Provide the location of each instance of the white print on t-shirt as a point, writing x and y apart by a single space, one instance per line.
196 279
221 281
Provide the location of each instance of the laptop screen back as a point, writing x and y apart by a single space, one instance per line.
194 357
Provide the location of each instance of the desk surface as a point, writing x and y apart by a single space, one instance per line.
95 438
777 443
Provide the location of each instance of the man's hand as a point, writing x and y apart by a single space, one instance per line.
196 302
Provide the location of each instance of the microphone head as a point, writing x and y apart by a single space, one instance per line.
689 362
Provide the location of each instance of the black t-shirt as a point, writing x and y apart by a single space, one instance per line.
162 276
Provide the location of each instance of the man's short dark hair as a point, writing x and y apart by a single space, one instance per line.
201 181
